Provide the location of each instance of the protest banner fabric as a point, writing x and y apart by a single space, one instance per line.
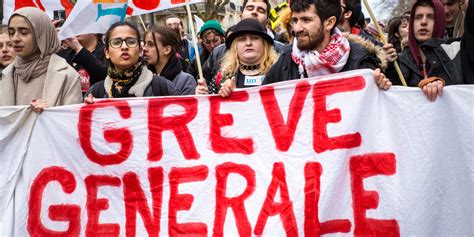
305 157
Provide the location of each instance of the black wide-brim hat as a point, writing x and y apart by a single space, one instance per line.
249 25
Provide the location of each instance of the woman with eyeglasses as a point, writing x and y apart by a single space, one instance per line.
212 35
162 45
127 74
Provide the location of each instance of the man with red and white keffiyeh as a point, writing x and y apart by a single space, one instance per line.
319 48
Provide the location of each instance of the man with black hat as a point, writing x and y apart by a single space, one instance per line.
320 47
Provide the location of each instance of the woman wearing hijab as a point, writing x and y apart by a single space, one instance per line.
127 74
428 62
37 76
161 48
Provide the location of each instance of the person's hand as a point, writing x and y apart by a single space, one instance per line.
227 87
89 99
201 88
57 24
38 105
73 43
404 42
382 82
391 53
433 89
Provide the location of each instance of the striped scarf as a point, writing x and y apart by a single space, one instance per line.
331 60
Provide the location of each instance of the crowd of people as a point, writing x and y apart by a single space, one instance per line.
432 43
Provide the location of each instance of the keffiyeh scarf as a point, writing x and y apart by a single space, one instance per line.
331 60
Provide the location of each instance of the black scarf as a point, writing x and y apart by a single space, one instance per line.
124 80
172 68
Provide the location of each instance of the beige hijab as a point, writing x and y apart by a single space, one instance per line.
46 40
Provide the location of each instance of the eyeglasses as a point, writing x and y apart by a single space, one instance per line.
215 41
117 42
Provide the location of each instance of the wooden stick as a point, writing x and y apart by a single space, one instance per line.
143 23
195 46
376 23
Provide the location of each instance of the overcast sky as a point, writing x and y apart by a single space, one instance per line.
380 12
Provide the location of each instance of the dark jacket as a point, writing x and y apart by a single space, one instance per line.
285 69
440 64
94 63
192 68
185 84
212 64
467 46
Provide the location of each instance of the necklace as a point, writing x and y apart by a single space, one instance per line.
249 67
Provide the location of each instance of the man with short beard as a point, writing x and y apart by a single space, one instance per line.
321 48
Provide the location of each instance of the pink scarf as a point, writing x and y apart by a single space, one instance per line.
331 60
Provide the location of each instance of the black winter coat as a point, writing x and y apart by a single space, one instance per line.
440 65
285 69
94 63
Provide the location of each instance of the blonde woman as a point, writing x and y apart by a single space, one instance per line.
249 57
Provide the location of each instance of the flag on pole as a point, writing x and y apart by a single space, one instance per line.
199 23
93 16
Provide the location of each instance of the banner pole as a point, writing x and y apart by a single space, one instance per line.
376 23
195 46
143 23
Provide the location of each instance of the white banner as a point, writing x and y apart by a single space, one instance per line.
304 157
